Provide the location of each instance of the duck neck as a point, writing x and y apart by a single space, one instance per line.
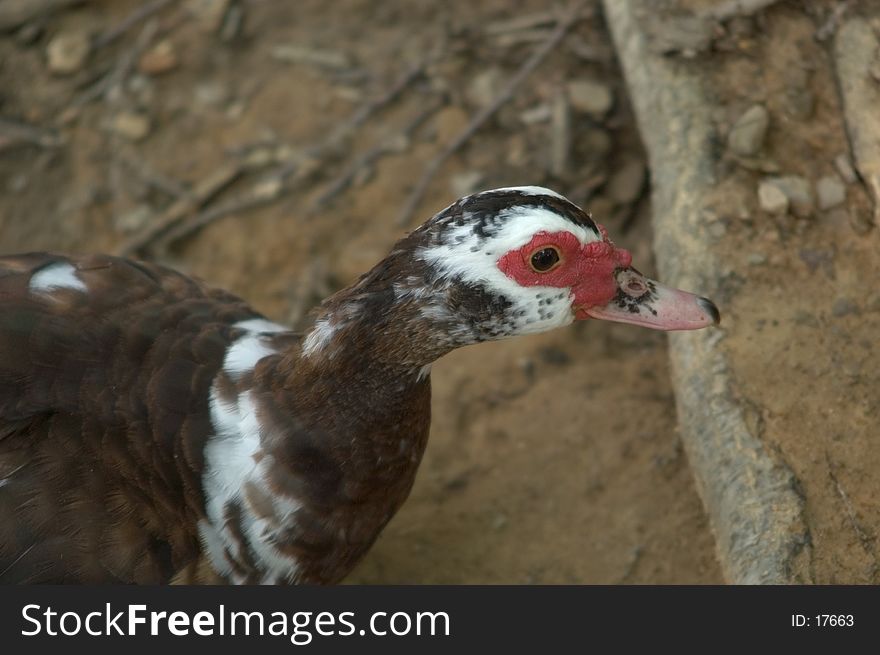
389 329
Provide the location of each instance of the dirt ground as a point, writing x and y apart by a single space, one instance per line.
554 458
802 291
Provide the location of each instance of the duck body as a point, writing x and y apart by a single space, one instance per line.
155 430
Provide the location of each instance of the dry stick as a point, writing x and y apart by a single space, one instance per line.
483 115
201 195
121 69
250 200
166 231
140 14
358 118
13 132
14 13
152 177
371 156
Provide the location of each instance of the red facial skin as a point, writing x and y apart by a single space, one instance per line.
587 269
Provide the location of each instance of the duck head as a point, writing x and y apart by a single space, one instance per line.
547 263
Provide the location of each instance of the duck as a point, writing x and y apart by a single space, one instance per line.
156 430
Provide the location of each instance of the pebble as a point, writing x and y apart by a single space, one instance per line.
757 259
747 135
211 94
537 114
161 58
591 97
844 307
798 192
131 125
771 198
134 219
485 87
844 166
67 52
627 182
499 521
800 102
805 319
831 192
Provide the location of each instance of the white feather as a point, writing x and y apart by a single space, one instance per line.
57 276
318 338
528 191
244 354
231 456
456 259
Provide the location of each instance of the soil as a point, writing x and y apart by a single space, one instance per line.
553 458
802 306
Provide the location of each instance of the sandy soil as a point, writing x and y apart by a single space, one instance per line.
803 304
553 459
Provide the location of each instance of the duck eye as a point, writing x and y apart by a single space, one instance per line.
544 259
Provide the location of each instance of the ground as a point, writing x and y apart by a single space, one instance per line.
552 459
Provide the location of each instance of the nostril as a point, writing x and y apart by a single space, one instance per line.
634 285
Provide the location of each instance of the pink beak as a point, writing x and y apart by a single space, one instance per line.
642 301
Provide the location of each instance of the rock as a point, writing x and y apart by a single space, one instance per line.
537 114
831 192
844 166
300 54
134 219
161 58
797 99
756 259
746 137
800 102
627 182
485 87
211 94
67 52
844 307
590 97
805 319
798 192
771 198
464 184
131 125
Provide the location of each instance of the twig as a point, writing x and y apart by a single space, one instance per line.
140 14
358 118
487 112
251 200
120 71
152 177
13 132
200 196
14 13
174 224
371 156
